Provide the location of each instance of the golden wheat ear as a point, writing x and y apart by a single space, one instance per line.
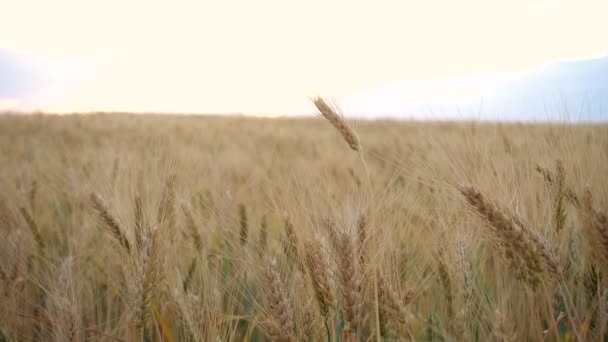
349 281
280 307
104 212
333 114
518 247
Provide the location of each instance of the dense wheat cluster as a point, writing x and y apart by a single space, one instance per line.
184 228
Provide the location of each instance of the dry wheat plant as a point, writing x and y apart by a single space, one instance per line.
200 228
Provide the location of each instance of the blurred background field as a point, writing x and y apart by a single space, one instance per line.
124 227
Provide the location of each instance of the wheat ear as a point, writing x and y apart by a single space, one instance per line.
336 119
31 223
559 215
517 246
281 310
319 275
149 274
349 281
167 200
568 192
291 246
104 212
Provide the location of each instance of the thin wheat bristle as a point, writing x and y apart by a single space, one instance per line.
335 117
104 212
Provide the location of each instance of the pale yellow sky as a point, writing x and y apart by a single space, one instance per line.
267 56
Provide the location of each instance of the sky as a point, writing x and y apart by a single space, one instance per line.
267 57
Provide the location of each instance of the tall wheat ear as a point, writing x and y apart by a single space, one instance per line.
333 114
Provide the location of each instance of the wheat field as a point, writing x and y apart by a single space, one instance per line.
119 227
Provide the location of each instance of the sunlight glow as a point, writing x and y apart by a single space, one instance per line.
267 56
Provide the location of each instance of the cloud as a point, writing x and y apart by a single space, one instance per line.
573 91
268 55
34 82
20 78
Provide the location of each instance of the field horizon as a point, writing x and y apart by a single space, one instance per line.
304 117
